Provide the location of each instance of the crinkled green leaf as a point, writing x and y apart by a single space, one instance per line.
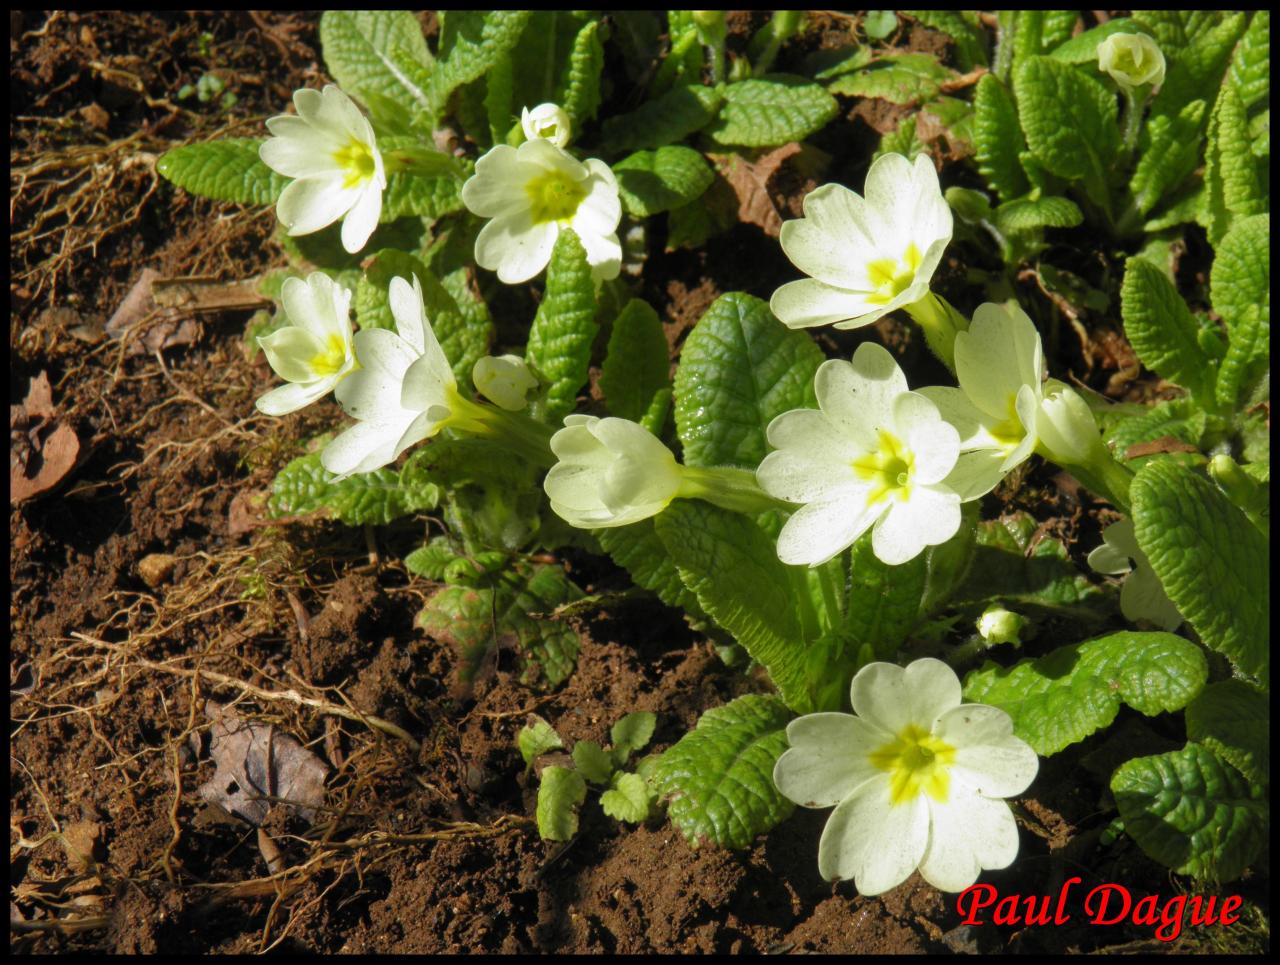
739 368
627 799
1163 331
718 779
638 550
560 794
1057 28
380 53
633 731
1231 182
1083 48
412 194
909 78
1076 690
477 619
1233 719
472 41
1212 562
635 365
1197 60
1069 120
1026 214
226 170
665 120
1012 564
1192 812
771 110
732 566
541 63
962 27
431 558
998 139
902 140
1250 69
650 182
592 762
1241 287
1180 418
535 738
564 328
375 497
1170 153
579 89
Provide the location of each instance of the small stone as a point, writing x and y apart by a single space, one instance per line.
156 568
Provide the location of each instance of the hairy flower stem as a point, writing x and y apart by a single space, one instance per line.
728 488
941 322
526 437
1106 477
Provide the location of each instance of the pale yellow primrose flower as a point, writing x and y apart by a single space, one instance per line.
547 121
1000 367
611 472
1132 60
313 353
1142 597
875 453
504 380
916 777
403 393
867 257
1068 433
329 149
533 192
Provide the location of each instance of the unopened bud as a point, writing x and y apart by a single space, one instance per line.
1132 60
998 625
547 121
504 380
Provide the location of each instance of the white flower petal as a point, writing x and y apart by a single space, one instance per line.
498 183
833 240
990 758
976 473
513 246
309 204
362 218
290 350
294 396
892 697
931 516
601 210
819 530
547 156
996 357
827 760
872 841
934 444
296 149
604 254
967 835
1143 598
364 447
373 390
807 303
954 406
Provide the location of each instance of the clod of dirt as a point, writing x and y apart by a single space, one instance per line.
258 765
156 568
41 450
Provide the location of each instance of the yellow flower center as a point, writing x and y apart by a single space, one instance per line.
554 196
888 470
330 361
1010 432
917 762
357 161
890 276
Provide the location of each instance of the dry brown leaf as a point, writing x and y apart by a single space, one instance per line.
257 765
41 451
750 182
1160 445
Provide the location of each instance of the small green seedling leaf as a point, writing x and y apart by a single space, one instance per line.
628 798
719 777
1193 812
650 182
592 762
631 734
535 738
560 794
432 558
1077 690
375 497
635 366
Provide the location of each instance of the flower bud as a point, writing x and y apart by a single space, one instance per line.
504 380
1066 427
998 625
710 26
611 472
1132 60
547 121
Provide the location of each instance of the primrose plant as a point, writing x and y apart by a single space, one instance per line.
831 519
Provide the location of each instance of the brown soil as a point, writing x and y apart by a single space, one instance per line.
139 592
